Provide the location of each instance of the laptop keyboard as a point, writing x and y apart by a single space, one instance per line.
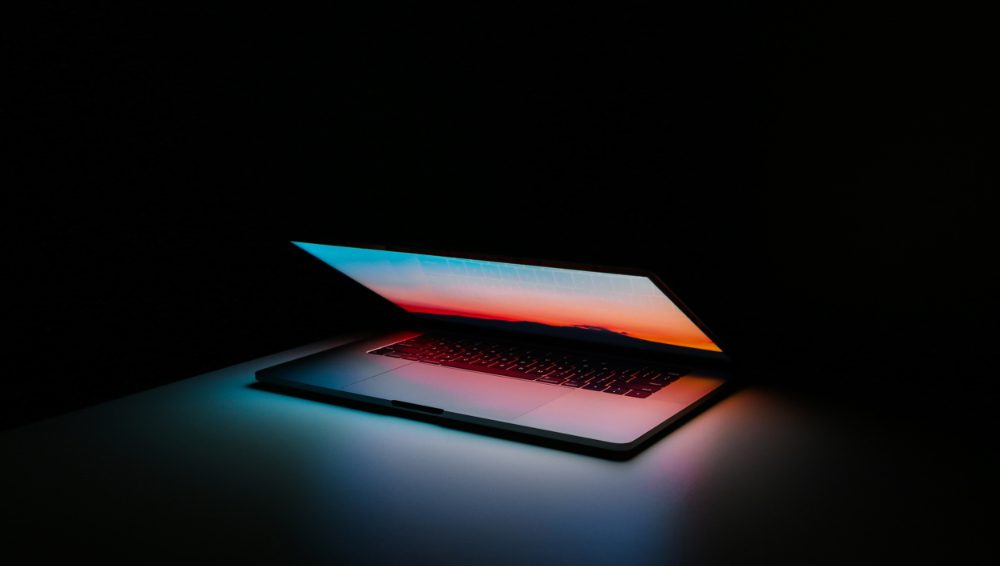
521 361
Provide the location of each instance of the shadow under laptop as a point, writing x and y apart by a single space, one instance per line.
499 433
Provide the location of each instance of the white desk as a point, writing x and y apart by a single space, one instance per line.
210 468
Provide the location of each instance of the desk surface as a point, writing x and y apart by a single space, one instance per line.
212 468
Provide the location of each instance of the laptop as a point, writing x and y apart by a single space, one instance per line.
599 357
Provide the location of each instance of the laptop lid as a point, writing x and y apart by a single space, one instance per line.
631 310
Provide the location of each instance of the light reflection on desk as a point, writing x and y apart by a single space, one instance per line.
252 473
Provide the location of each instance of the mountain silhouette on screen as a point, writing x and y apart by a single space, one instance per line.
580 332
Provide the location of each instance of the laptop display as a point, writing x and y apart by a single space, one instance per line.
613 308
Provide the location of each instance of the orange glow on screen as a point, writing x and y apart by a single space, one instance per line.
606 304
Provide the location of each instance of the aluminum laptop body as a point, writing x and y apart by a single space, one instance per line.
599 357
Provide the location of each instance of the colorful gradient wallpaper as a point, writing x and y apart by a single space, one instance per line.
607 307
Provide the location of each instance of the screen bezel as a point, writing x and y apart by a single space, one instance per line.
657 282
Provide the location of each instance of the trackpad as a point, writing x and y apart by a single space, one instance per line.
459 391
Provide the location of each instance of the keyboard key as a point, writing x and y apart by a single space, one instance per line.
462 365
639 394
512 373
595 386
616 390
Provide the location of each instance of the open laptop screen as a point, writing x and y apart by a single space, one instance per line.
614 308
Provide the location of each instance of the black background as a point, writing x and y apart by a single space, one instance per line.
817 182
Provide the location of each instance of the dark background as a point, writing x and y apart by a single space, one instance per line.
817 182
